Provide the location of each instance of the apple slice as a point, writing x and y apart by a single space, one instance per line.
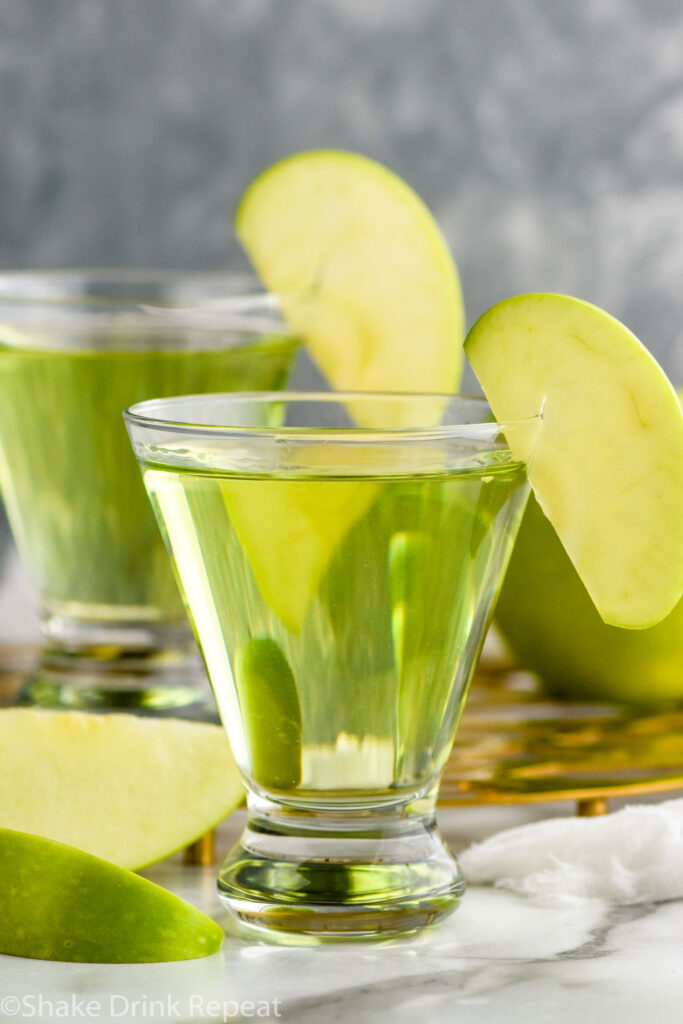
552 625
271 713
58 903
362 269
290 530
131 790
607 464
364 275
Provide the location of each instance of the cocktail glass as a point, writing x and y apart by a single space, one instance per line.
75 349
340 556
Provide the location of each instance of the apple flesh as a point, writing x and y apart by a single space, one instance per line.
606 464
366 278
58 903
291 530
362 270
131 790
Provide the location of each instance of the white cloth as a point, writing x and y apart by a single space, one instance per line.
634 855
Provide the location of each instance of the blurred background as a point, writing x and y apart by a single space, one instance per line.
547 138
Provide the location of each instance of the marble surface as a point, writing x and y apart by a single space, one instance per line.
499 958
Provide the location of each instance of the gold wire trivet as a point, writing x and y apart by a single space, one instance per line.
515 745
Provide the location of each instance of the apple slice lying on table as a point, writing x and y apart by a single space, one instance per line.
58 903
131 790
607 462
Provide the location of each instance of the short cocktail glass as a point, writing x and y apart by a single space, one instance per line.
75 349
340 556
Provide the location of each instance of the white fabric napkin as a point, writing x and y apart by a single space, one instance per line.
634 855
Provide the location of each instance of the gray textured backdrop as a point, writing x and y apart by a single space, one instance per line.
547 135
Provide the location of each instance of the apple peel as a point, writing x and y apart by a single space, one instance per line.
59 903
607 466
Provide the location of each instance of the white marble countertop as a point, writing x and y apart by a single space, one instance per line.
499 958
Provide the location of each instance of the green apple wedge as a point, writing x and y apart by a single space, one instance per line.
290 532
271 712
59 903
366 278
552 626
131 790
607 463
362 270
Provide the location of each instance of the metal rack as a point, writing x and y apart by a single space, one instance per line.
516 745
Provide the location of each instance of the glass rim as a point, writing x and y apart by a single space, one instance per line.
124 274
147 415
48 300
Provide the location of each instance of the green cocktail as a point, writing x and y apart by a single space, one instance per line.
340 580
75 350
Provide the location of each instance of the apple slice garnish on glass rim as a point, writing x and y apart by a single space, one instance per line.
607 465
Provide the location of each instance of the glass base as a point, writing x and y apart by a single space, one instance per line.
119 667
338 875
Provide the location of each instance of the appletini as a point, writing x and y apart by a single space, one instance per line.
340 554
340 579
340 609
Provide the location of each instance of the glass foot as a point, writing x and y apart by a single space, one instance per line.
339 876
114 679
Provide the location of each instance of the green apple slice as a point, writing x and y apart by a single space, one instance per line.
362 269
365 276
607 465
290 530
271 713
58 903
131 790
549 621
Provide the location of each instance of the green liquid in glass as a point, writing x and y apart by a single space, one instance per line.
72 488
340 618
